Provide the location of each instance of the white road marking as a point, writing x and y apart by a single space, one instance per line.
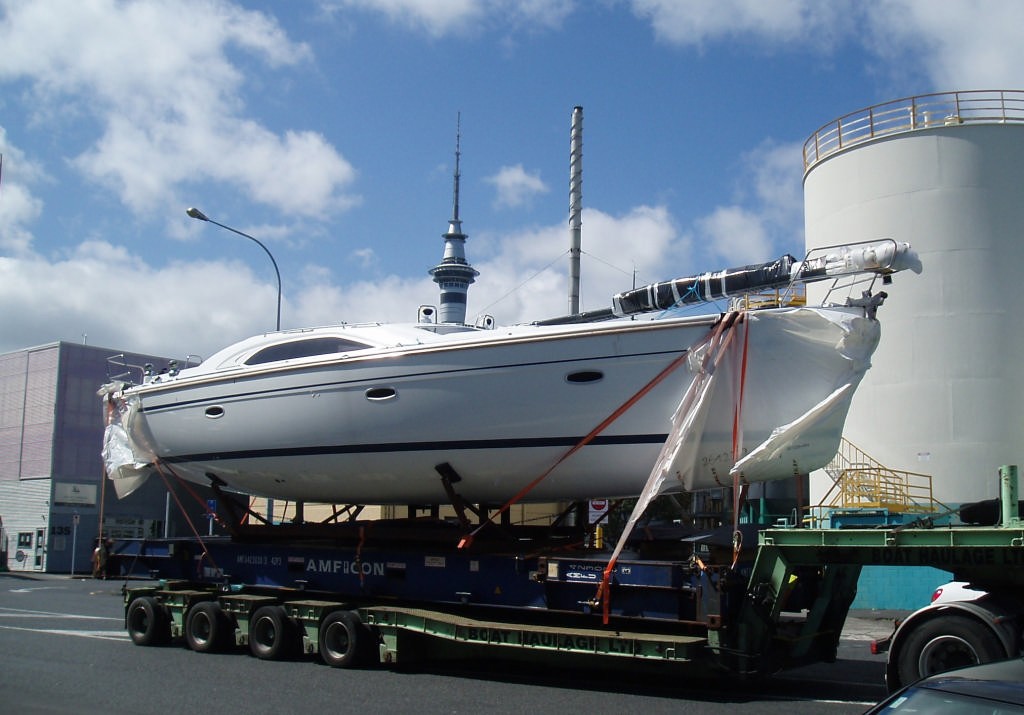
25 613
101 635
22 614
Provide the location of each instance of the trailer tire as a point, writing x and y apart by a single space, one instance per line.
272 634
345 641
944 643
148 621
207 628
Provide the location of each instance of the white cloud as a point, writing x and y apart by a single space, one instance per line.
121 302
954 45
365 257
695 22
437 17
443 17
299 174
387 299
155 81
515 186
533 13
112 296
735 235
527 276
155 104
766 218
958 45
18 207
775 175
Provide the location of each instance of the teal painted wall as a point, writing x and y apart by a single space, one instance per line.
898 588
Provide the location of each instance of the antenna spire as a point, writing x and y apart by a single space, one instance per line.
458 155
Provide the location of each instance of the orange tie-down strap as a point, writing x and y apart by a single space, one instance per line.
160 470
676 362
719 340
739 493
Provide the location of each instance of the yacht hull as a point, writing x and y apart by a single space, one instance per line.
502 408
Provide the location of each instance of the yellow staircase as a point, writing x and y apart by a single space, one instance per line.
862 482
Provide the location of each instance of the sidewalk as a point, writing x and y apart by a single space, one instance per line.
867 625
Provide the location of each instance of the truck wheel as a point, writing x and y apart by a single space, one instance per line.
148 622
344 640
271 634
945 643
207 628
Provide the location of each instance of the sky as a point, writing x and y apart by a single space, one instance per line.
326 129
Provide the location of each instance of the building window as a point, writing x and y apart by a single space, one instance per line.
25 540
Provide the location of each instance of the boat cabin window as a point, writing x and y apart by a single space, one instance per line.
304 348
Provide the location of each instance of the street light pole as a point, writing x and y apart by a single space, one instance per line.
197 214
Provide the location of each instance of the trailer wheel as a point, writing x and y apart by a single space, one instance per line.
345 642
148 622
945 643
272 634
207 628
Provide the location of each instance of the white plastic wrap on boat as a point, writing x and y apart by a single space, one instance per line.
126 462
808 442
758 465
126 472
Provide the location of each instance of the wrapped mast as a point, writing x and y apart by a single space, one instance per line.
882 258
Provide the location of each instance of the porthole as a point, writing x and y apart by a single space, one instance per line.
215 412
379 394
584 376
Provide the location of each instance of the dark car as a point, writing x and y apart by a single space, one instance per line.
989 689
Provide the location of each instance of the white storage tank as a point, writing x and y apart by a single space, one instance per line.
946 173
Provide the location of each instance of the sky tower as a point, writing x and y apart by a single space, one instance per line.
454 274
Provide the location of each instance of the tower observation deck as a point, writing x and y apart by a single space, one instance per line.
454 274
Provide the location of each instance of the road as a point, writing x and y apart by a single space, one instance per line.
65 651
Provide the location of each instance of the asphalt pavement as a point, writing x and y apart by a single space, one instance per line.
65 651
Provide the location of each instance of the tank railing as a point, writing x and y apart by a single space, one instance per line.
913 113
861 482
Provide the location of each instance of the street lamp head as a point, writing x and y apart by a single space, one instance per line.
197 214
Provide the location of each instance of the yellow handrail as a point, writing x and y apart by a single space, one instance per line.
861 482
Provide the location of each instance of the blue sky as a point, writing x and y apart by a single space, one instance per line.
326 128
